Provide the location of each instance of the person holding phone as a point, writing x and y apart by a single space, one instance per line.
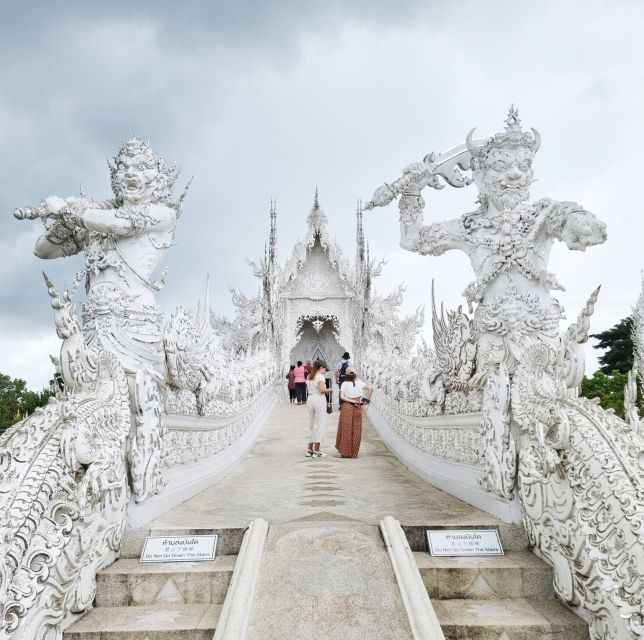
352 392
317 409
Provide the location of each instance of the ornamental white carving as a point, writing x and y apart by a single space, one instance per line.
64 483
580 483
580 472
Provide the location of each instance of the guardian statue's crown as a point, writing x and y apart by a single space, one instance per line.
513 137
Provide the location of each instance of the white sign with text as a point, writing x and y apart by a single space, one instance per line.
464 542
179 548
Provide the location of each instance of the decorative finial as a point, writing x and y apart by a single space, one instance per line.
513 122
316 203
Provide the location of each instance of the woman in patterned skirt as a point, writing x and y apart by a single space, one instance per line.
349 435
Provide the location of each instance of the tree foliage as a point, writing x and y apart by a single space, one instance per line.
609 388
16 401
618 343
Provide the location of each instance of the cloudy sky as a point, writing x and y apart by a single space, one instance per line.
262 100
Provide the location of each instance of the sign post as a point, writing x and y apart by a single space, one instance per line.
179 548
464 542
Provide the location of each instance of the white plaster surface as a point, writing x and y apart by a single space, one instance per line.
458 479
278 483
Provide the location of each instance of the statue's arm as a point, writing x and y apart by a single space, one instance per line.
435 239
129 221
61 239
571 223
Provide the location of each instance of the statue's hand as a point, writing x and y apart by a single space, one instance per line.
583 230
418 175
55 204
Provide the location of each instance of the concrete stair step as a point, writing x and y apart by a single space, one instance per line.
508 619
154 622
517 574
129 582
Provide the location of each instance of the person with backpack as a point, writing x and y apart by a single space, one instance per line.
341 371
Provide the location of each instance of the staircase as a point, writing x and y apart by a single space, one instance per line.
324 571
506 597
159 601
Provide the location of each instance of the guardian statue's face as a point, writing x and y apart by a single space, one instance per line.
139 175
506 177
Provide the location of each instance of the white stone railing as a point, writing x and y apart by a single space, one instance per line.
451 437
581 484
202 450
444 450
192 438
63 501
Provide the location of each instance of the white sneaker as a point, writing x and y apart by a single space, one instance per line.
309 453
319 454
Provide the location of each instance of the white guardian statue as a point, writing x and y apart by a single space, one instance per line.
124 240
508 240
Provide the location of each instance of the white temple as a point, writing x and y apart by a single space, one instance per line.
176 425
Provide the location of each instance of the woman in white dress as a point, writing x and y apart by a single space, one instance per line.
317 409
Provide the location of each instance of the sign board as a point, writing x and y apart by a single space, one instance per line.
464 542
179 548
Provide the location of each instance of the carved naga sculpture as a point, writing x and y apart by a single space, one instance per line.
63 489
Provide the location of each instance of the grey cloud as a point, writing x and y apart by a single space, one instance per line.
262 100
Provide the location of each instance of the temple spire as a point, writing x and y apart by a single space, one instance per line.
360 243
316 219
272 241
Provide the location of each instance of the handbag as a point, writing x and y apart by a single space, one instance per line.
329 407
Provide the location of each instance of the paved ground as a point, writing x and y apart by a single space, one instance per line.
325 572
278 483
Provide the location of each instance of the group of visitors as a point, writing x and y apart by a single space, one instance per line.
353 395
297 377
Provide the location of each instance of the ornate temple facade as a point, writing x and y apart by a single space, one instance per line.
316 306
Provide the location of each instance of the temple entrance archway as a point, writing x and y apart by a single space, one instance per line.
317 340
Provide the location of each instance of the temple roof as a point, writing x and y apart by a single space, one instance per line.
318 233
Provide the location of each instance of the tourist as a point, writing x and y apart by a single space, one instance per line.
349 435
308 367
290 385
340 371
317 409
299 377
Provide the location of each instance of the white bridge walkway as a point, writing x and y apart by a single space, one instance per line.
278 483
325 571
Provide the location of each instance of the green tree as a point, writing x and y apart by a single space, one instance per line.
609 388
618 343
16 401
